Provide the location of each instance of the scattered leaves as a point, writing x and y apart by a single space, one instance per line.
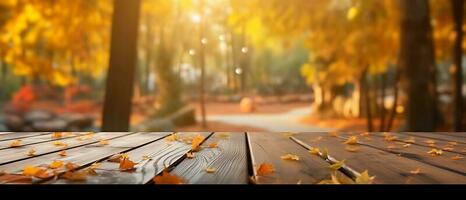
337 165
210 170
32 152
291 157
265 169
333 180
364 178
167 178
352 140
56 164
351 149
62 153
415 171
56 135
435 152
15 143
126 164
457 157
189 155
196 142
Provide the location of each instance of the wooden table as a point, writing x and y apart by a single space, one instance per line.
234 158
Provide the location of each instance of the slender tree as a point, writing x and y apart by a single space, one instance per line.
458 10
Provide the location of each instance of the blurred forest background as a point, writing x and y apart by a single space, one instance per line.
232 65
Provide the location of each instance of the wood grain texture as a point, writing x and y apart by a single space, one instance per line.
20 153
163 154
269 147
386 166
416 152
229 159
37 139
436 136
20 135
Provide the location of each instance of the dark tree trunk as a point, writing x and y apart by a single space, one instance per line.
396 91
417 57
383 87
367 100
458 6
123 57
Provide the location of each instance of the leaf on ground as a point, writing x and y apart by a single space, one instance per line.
351 149
337 165
126 164
56 135
62 153
291 157
167 178
30 170
115 158
213 145
210 170
56 164
15 143
333 134
435 152
314 151
189 155
74 176
196 142
406 145
324 154
415 171
352 140
430 141
103 142
92 168
32 152
265 169
60 144
364 178
173 137
71 166
457 157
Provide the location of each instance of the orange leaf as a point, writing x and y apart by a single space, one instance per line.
56 135
62 153
15 143
173 137
430 141
103 142
60 144
213 145
265 169
167 178
196 142
30 170
56 164
352 140
365 134
43 174
32 152
210 170
71 166
126 164
457 157
453 143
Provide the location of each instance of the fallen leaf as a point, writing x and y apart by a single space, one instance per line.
337 165
32 152
314 151
71 166
56 164
173 137
30 170
352 140
60 144
333 134
415 171
435 152
324 154
56 135
265 169
43 174
115 158
62 153
74 176
290 157
430 141
364 178
196 142
406 145
103 142
126 164
210 170
167 178
213 145
448 149
457 157
15 143
351 149
190 155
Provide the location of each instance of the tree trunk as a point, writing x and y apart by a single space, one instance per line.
417 60
395 97
458 6
366 92
383 87
123 57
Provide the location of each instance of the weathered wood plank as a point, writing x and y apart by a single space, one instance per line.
229 159
386 166
163 154
86 155
436 136
416 152
20 135
36 139
22 152
269 147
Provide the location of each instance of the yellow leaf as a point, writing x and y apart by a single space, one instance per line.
324 154
352 13
415 171
435 152
290 157
333 180
173 137
210 170
60 144
288 134
337 165
115 158
222 135
30 170
56 135
365 134
15 143
351 140
265 169
430 141
56 164
457 157
315 151
196 142
364 178
32 152
146 157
